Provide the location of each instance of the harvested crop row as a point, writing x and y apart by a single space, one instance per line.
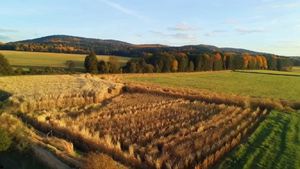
160 131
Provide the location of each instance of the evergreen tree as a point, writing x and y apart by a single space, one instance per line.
91 63
103 67
5 68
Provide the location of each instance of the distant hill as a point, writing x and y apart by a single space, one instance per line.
80 45
73 40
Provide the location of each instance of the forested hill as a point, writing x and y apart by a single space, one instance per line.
67 44
80 45
72 44
158 58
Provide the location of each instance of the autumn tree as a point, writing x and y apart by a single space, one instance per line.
90 63
246 60
217 62
174 66
183 61
252 63
265 63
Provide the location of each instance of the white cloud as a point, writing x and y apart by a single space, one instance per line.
177 36
183 27
4 38
3 30
123 9
214 32
249 30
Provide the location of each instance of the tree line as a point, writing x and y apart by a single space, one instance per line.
188 62
166 61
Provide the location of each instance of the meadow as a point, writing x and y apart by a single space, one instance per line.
245 84
44 59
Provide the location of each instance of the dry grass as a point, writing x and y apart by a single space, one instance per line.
100 161
162 131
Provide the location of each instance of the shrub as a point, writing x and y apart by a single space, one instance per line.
5 140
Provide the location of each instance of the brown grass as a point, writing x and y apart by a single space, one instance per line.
100 161
161 131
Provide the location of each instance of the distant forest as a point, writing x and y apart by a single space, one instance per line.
156 58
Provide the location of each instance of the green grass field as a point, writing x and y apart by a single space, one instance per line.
41 59
246 84
274 145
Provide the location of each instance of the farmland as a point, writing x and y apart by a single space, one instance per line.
246 84
167 129
161 131
43 59
168 121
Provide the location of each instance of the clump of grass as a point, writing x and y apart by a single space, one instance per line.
5 140
100 161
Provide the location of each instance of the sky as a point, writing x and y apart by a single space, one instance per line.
271 26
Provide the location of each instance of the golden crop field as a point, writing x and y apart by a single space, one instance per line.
160 132
296 69
44 59
166 129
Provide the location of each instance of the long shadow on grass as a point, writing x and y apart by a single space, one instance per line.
266 73
4 95
282 145
261 136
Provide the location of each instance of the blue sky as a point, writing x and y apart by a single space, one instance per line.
262 25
